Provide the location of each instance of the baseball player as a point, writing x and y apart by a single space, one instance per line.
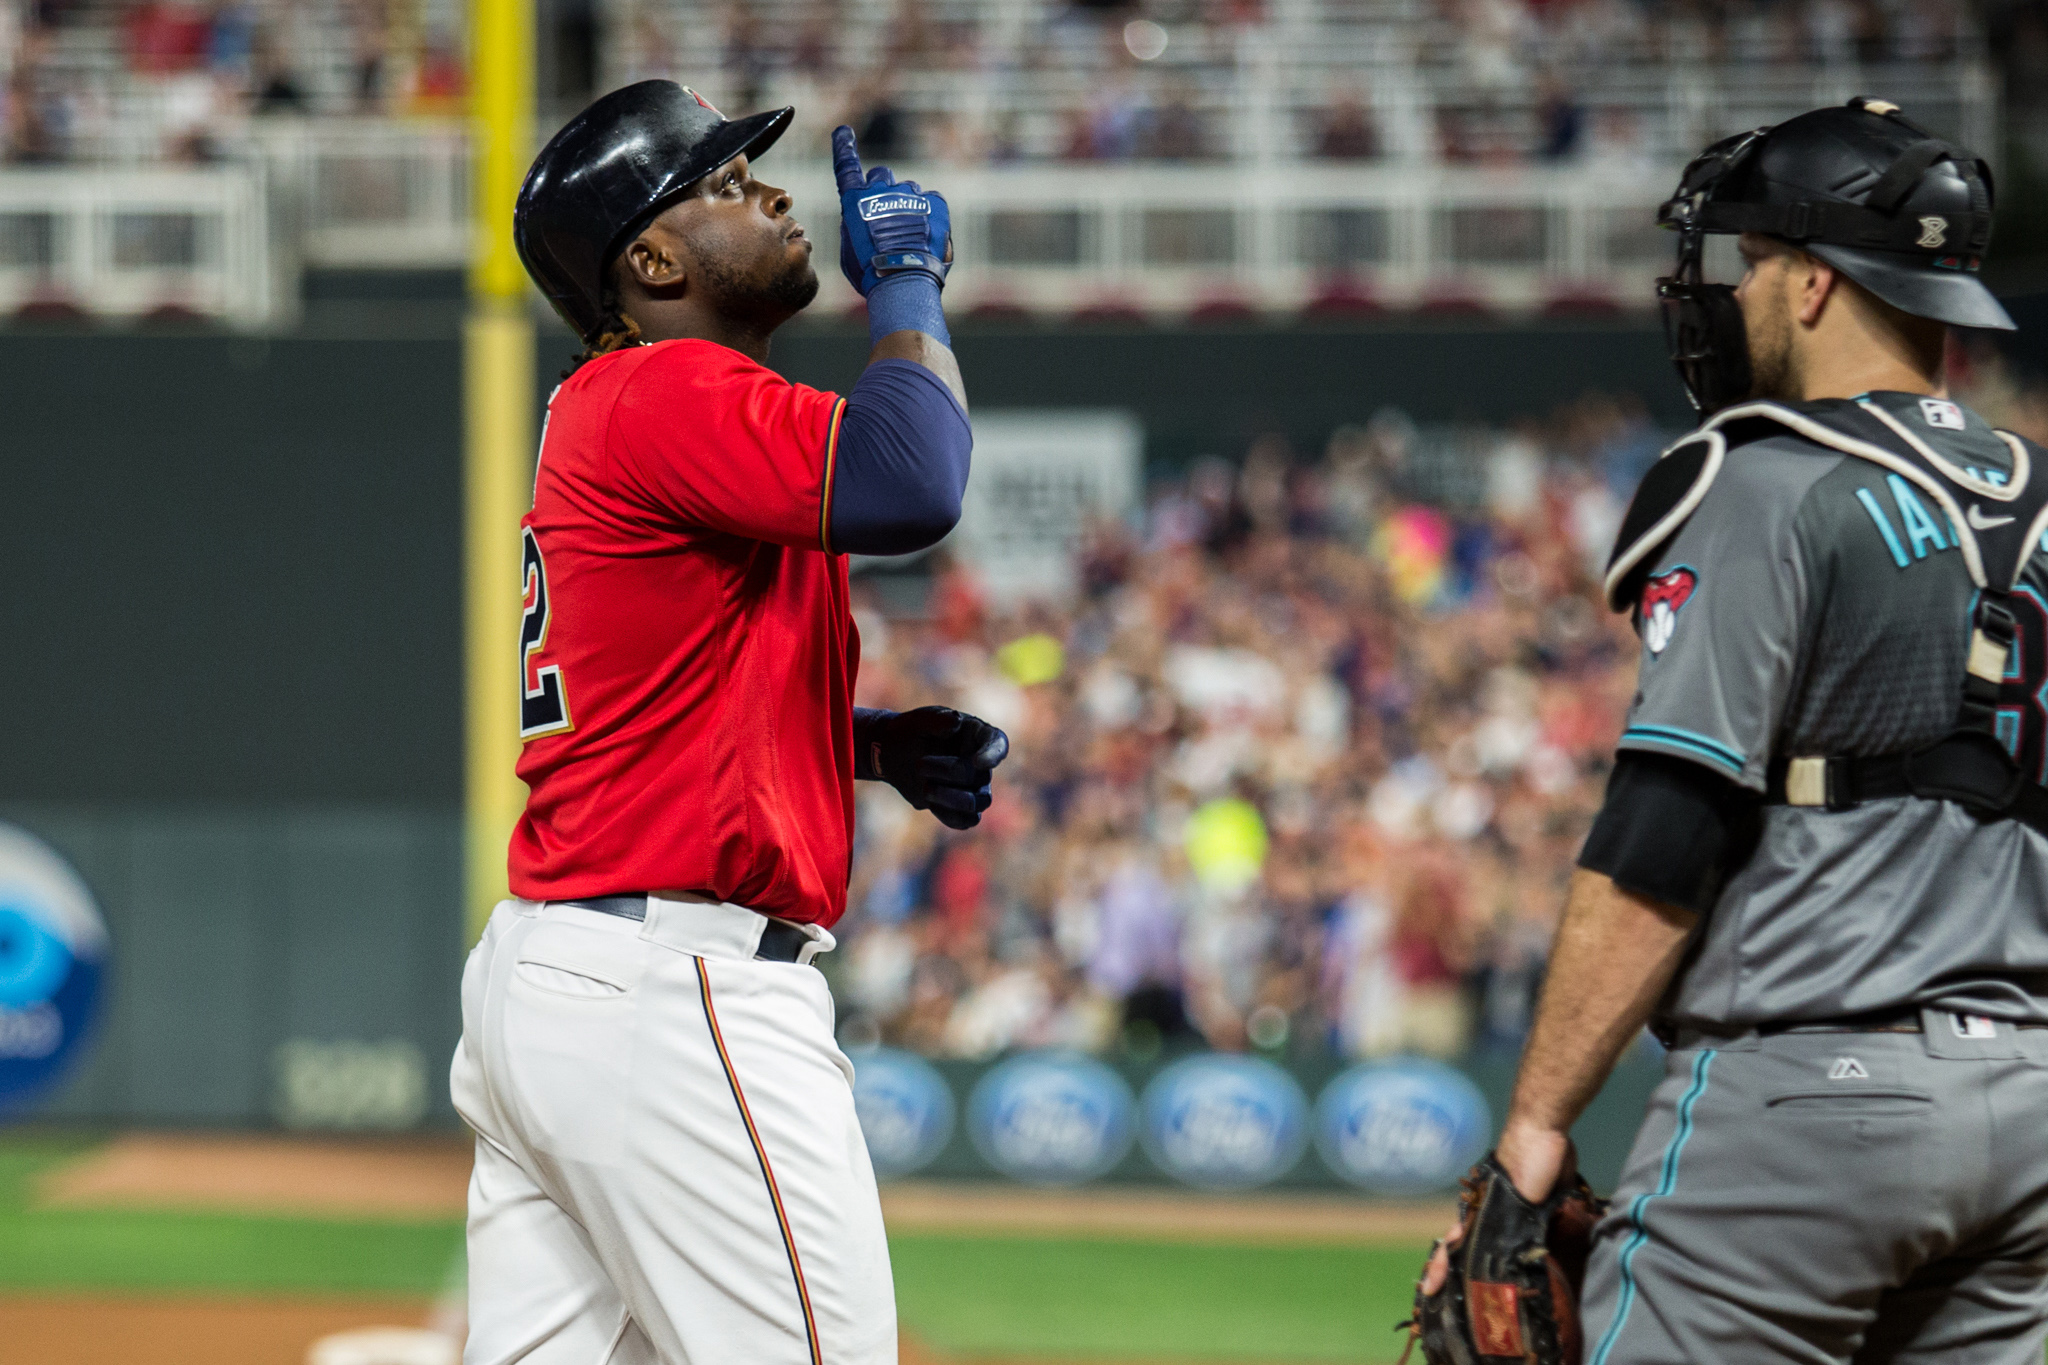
1821 872
668 1165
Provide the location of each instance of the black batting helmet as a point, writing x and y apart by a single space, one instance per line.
608 173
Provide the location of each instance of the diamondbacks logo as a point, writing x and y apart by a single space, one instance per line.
1663 597
1933 233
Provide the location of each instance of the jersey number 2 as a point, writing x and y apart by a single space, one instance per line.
543 701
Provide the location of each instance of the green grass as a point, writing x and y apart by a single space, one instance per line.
1011 1297
1152 1299
170 1252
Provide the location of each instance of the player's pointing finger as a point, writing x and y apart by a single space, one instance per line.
845 159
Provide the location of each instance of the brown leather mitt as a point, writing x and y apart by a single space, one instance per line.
1512 1294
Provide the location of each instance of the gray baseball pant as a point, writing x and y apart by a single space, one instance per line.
1833 1197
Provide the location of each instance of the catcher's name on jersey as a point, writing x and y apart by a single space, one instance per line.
1816 600
687 650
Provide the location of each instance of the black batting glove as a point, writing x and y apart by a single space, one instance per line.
940 759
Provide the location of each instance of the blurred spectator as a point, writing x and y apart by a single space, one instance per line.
165 36
231 42
369 68
814 52
276 88
745 60
1174 131
1346 131
1562 121
880 125
440 82
35 124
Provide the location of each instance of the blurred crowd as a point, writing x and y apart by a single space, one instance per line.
1302 763
1516 80
1166 80
168 79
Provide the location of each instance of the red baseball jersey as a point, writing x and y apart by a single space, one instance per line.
688 654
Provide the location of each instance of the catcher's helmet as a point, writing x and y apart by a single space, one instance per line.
609 172
1896 209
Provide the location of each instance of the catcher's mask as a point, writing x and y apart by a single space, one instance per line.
1901 212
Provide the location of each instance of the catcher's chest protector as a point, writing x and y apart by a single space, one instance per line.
1997 519
1997 535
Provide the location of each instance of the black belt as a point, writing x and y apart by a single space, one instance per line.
1875 1021
1966 767
1880 1021
781 941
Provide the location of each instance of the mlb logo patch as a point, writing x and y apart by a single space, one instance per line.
1940 413
1663 597
701 100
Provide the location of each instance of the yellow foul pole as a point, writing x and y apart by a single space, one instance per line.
498 422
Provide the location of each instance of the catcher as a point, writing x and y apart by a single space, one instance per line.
1821 872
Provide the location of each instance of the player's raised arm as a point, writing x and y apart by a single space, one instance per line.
903 453
896 248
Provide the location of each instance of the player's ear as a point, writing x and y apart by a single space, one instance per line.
1812 280
652 262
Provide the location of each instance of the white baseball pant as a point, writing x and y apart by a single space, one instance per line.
668 1166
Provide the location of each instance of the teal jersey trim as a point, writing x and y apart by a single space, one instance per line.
1667 1182
1712 750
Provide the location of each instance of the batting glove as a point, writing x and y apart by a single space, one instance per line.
887 226
940 759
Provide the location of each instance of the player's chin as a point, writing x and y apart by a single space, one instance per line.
797 285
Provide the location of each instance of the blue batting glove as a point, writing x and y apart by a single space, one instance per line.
887 227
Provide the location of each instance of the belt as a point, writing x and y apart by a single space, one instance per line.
1883 1021
781 941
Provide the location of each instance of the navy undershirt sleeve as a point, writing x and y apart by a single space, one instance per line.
901 467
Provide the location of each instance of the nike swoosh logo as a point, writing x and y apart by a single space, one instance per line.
1979 522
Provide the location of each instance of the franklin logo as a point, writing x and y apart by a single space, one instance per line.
1942 414
871 209
1933 232
1663 597
1847 1069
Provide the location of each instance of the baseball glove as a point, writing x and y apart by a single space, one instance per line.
1516 1270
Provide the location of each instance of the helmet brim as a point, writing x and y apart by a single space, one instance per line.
748 137
1908 284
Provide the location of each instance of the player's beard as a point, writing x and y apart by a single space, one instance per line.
789 291
1767 321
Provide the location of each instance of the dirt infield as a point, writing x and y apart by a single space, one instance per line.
387 1177
107 1329
95 1329
429 1178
